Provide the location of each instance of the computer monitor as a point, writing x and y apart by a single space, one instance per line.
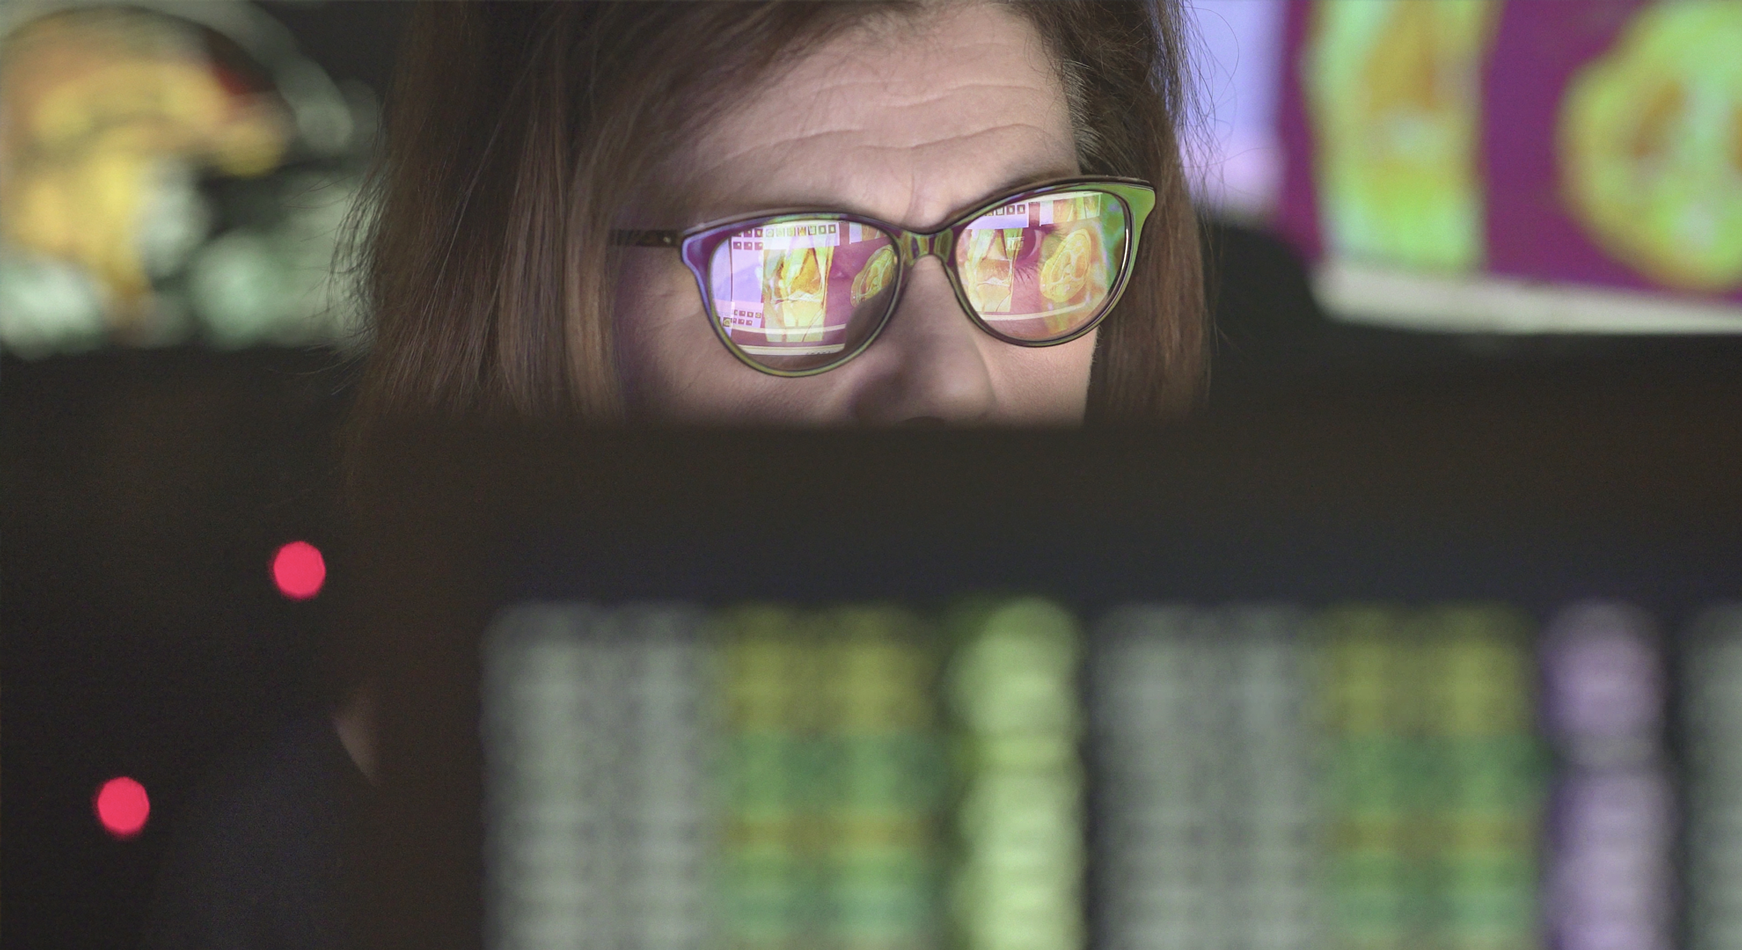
1215 687
1487 167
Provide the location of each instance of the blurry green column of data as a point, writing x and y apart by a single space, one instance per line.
1012 689
886 759
833 774
768 766
1433 778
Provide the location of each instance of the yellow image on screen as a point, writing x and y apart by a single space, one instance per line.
875 276
991 256
795 292
1650 139
99 104
1065 275
1393 95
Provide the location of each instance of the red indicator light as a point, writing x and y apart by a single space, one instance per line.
122 807
299 570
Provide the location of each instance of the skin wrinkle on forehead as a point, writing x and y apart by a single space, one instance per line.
924 207
846 195
834 80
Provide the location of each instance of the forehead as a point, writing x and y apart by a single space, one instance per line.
908 121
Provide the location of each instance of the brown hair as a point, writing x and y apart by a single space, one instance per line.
516 132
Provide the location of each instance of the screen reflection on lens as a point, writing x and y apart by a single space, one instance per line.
798 294
1043 268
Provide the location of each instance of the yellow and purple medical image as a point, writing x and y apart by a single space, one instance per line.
879 270
795 293
173 173
1043 267
1065 275
103 105
1393 95
1650 146
801 290
990 270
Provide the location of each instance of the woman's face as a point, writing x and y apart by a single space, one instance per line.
910 125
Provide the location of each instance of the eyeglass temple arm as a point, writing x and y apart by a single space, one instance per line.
646 238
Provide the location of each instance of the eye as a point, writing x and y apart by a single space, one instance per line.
1039 244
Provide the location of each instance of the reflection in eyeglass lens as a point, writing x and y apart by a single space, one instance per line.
796 294
1065 275
989 269
797 290
871 281
1041 268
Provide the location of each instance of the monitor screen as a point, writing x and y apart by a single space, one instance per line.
1485 166
1081 691
1007 773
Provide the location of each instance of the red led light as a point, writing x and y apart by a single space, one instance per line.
299 570
122 807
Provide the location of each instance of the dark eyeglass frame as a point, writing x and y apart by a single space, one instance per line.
698 244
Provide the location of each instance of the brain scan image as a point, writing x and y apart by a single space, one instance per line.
1393 90
1650 146
113 112
1065 275
875 277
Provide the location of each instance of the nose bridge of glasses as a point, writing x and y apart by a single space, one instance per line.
915 246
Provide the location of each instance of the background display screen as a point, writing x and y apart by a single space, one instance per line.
1487 165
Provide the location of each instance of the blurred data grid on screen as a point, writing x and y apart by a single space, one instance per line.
1485 165
172 173
1007 775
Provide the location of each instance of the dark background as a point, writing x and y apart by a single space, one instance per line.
145 492
144 495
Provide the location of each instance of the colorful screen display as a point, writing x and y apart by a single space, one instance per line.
173 175
1008 775
1490 165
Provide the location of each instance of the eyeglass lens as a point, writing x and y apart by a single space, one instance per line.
800 294
1040 269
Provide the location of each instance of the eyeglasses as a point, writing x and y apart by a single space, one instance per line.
799 293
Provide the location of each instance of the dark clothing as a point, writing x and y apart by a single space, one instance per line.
257 863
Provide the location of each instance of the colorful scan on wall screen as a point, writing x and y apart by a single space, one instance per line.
1393 94
171 173
1650 140
1517 167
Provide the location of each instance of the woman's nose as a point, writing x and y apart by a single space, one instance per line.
927 366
